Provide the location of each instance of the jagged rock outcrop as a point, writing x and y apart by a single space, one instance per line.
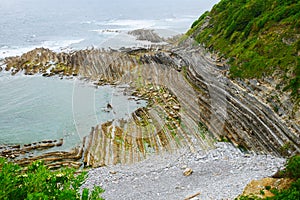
191 102
146 34
44 150
246 120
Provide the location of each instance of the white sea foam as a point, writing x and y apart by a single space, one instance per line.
125 40
14 51
60 45
180 19
107 31
129 24
88 22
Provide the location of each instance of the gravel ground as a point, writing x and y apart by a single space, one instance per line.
221 173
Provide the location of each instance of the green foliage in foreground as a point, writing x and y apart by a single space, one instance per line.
292 170
293 167
39 183
258 36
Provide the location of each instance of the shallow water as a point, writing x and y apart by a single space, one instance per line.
38 108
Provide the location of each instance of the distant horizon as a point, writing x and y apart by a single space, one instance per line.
56 24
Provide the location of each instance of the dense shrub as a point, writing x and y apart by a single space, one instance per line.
293 167
291 193
237 23
37 182
292 170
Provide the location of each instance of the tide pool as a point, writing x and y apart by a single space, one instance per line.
35 108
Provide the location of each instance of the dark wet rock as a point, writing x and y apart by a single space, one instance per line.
109 106
46 74
16 146
59 143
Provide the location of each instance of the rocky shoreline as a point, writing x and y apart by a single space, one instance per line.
192 105
44 150
208 105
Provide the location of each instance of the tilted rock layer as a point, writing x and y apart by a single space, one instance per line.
191 102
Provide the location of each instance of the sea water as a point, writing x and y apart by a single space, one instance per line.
77 24
35 108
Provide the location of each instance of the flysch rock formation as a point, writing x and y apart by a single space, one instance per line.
27 153
148 35
191 102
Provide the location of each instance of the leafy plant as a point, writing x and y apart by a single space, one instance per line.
261 37
292 170
293 167
37 182
268 187
291 193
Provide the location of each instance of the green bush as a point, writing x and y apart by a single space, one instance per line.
37 182
199 20
238 27
291 193
292 170
293 167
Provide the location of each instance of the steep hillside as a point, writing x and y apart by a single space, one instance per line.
260 38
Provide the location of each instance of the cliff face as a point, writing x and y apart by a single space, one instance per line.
192 103
261 42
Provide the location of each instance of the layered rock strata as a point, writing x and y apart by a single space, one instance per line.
148 35
44 150
191 102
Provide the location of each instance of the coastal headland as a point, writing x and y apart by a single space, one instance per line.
191 103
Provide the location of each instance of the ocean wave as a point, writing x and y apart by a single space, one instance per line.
59 45
88 22
129 24
180 19
107 31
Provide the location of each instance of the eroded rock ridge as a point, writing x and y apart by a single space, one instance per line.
191 102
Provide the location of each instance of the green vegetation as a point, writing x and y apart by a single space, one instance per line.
292 170
259 37
36 182
268 187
